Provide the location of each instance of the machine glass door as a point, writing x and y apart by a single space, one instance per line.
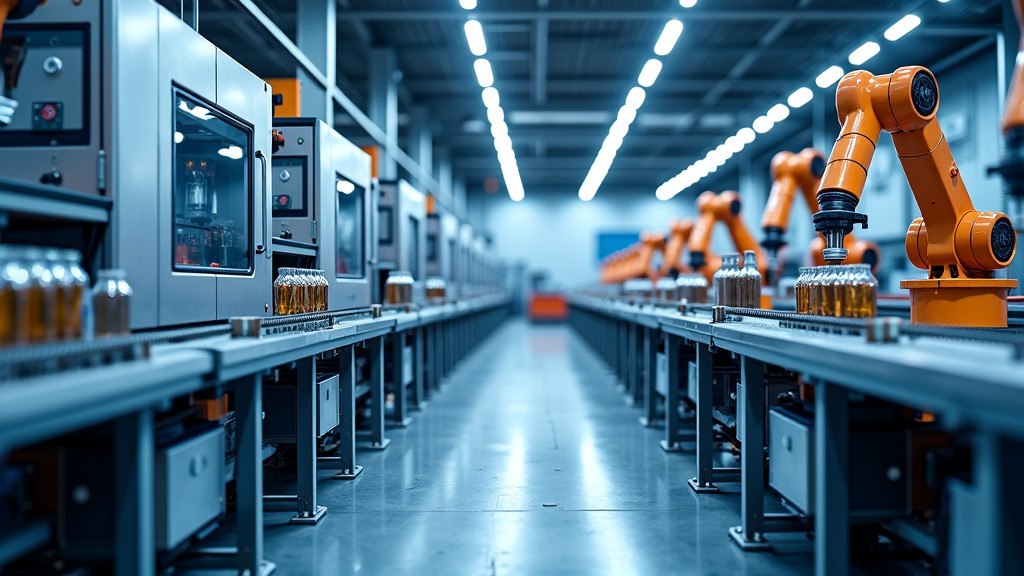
349 223
212 189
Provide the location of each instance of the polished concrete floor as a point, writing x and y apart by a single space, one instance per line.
527 462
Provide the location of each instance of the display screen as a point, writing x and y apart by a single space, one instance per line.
212 189
290 184
349 226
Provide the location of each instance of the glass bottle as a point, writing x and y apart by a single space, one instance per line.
828 281
14 284
322 286
802 291
40 302
860 296
79 309
698 288
282 293
295 292
63 284
722 280
750 281
111 300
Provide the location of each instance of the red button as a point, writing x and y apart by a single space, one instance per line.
49 112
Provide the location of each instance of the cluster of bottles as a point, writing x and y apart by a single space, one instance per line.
692 287
299 291
639 288
398 288
848 291
43 298
437 289
738 283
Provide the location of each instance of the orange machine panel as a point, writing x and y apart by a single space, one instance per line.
374 153
289 90
548 307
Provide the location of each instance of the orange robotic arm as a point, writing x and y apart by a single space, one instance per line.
959 243
650 244
789 172
725 208
680 232
1011 168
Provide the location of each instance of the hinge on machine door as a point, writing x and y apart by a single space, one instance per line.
314 230
101 171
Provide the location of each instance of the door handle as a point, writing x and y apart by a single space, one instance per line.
263 248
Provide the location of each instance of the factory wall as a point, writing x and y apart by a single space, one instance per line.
555 232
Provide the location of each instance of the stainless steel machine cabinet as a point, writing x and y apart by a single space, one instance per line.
401 234
320 188
122 99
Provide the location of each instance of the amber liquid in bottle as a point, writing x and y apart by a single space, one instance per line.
802 300
321 297
826 298
858 301
394 294
111 314
39 314
73 321
8 317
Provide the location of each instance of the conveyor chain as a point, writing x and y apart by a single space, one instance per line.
254 326
37 359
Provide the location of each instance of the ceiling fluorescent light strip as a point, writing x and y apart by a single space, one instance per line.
717 157
492 102
627 113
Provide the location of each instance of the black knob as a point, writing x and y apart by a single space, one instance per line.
53 177
287 234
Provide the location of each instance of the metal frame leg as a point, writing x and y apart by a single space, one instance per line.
750 535
135 538
831 480
632 361
401 418
249 475
375 346
637 374
651 338
419 370
705 426
306 412
347 403
673 345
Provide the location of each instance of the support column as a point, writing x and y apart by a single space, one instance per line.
421 138
672 350
135 538
651 339
401 419
705 425
347 404
317 34
376 349
383 106
249 473
750 535
831 480
306 411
